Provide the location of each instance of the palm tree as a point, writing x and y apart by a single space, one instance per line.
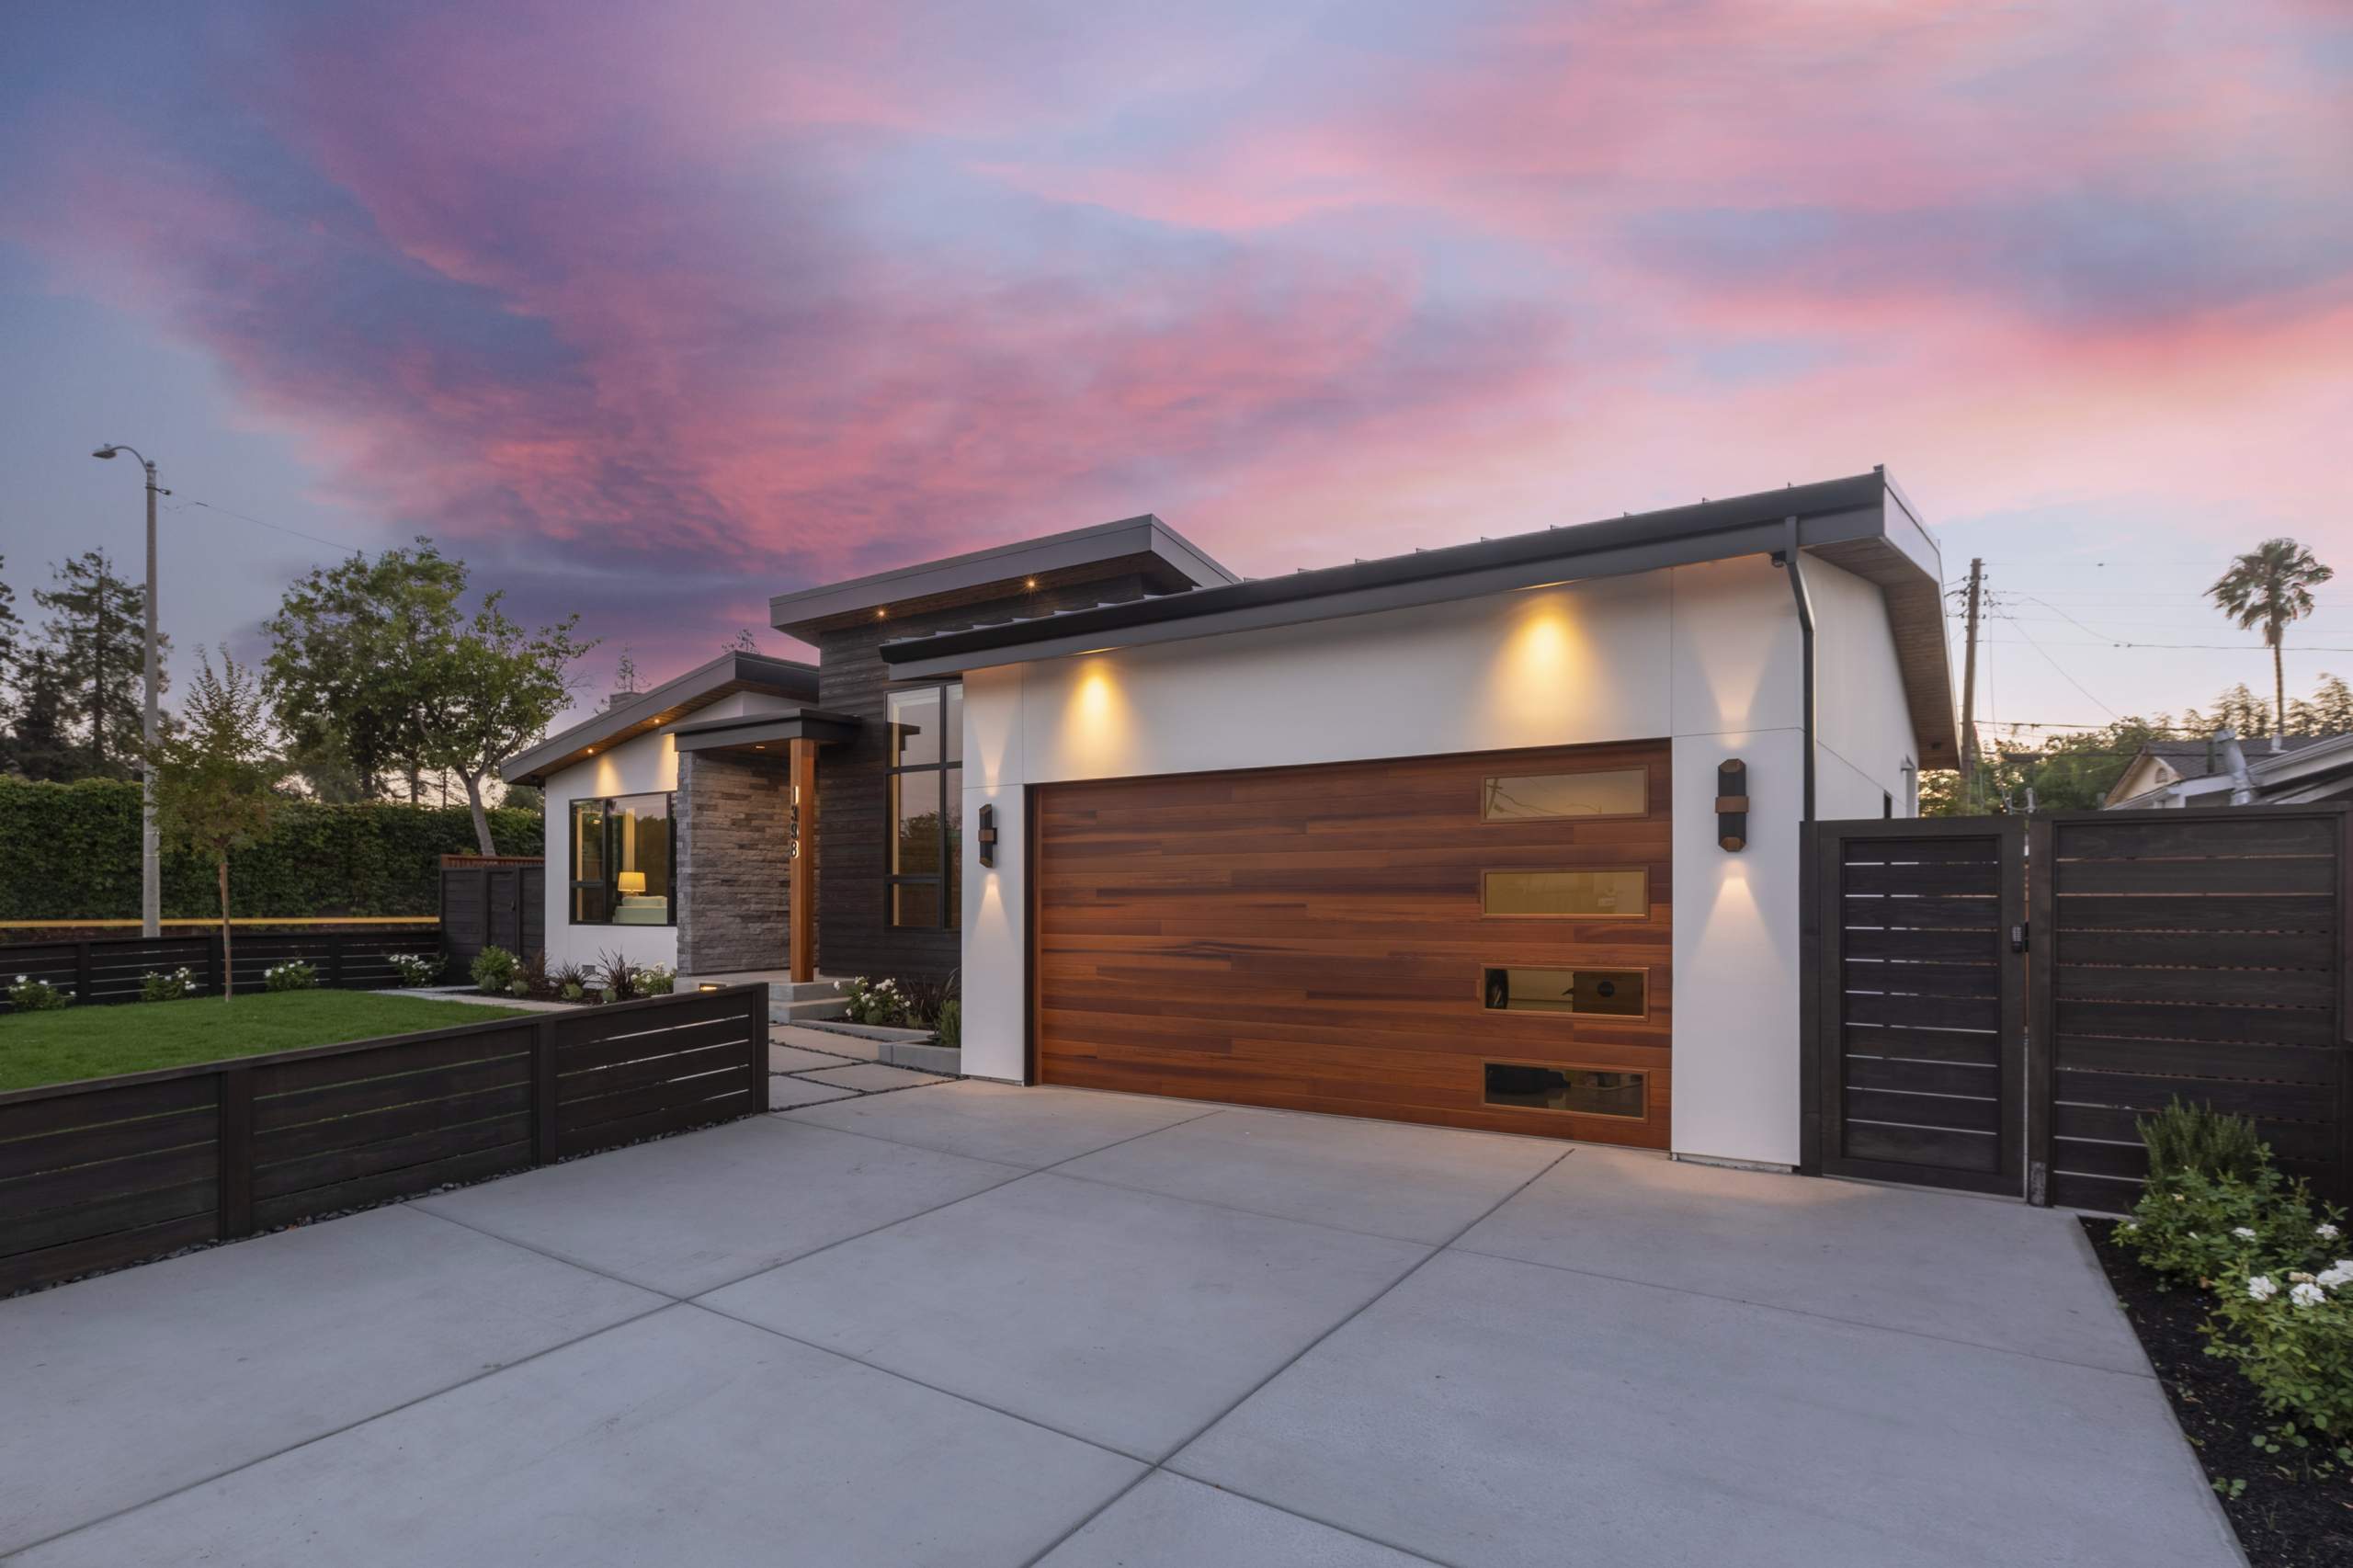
2269 587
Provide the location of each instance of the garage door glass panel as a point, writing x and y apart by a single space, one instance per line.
1610 993
1587 895
1577 1091
1620 793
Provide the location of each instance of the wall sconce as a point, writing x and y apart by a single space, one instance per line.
987 836
1732 804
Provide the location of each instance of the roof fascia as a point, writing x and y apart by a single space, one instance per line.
1142 534
1616 548
808 725
671 701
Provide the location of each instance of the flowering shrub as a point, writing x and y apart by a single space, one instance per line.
656 980
291 976
877 1002
153 987
35 995
2295 1344
2193 1228
416 968
494 969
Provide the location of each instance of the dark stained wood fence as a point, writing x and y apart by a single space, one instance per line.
492 902
1995 1003
108 969
2190 954
1920 1060
110 1170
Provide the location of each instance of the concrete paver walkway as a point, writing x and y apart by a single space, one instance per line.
968 1325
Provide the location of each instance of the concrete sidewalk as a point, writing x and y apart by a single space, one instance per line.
968 1324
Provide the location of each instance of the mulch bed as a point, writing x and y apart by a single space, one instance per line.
2288 1516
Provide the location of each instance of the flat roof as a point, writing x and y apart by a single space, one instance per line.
1862 524
1166 558
665 704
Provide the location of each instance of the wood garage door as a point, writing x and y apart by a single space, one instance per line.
1317 938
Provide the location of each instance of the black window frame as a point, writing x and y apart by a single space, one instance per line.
574 886
948 879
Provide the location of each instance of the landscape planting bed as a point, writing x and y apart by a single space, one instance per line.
2287 1515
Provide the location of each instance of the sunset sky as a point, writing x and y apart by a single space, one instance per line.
651 311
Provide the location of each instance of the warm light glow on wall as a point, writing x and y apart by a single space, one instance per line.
1098 726
1543 674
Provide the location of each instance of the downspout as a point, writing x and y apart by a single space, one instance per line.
1788 558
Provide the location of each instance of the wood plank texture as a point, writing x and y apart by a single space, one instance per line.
1313 939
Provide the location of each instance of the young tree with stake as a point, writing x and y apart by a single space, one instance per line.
2269 587
214 778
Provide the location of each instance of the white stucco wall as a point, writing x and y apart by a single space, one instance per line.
1707 655
646 765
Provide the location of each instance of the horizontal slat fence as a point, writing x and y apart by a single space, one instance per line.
2195 955
105 969
116 1169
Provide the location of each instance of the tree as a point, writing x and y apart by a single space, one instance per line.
382 653
332 672
2237 709
744 644
97 645
41 744
215 779
2270 587
2329 712
488 692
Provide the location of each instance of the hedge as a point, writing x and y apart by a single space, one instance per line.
71 852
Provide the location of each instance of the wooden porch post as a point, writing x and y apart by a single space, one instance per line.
804 860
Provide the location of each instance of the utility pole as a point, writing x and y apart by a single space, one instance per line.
150 871
1969 687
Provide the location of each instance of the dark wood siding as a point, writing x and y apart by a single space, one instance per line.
1312 937
853 786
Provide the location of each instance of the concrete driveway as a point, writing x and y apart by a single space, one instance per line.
969 1326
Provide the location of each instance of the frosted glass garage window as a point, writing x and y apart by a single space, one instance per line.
1581 896
1537 797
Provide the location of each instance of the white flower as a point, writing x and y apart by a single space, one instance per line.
2308 1295
2243 1231
2332 1277
2131 1224
2261 1288
2326 1233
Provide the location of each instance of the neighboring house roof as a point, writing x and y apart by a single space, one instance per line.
665 704
1861 524
2289 770
1146 546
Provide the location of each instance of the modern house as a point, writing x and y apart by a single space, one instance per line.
1501 835
2224 770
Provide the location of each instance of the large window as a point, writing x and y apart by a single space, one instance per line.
927 742
624 861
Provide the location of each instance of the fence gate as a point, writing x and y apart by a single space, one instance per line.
492 900
1995 1002
1917 985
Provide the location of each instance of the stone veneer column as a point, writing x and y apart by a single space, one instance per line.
735 862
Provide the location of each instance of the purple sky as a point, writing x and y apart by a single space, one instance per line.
651 312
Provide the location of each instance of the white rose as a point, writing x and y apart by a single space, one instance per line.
2243 1231
2261 1288
2332 1277
2326 1233
2308 1295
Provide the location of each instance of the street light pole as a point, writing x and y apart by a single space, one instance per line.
150 871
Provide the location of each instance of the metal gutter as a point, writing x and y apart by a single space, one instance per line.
1829 513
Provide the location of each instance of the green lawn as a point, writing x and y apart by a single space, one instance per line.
94 1043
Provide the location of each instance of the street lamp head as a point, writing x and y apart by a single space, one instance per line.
106 451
